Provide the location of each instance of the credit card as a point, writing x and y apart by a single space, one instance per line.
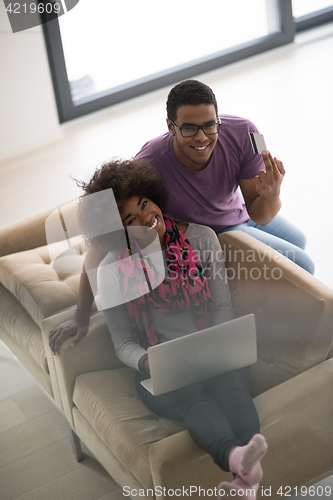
258 143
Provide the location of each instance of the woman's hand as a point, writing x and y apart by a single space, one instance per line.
70 328
144 364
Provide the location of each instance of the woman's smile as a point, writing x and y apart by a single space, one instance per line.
140 211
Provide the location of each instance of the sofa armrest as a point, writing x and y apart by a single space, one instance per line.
296 419
178 463
293 309
24 235
28 234
94 352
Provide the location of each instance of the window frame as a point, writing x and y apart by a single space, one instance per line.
67 110
314 19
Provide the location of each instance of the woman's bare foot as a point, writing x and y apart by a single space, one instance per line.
245 460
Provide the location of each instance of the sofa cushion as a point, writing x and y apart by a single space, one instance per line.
109 402
42 291
17 323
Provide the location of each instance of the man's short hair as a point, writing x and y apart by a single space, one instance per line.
189 93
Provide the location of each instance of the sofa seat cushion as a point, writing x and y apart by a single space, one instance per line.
42 291
17 323
109 402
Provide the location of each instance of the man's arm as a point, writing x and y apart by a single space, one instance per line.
262 194
79 325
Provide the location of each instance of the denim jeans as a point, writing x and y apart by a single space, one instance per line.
280 235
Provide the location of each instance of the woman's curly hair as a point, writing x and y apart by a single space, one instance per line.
126 178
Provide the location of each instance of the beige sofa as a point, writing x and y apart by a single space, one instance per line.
292 379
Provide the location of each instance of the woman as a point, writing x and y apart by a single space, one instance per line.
219 413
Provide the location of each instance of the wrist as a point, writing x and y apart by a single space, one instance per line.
270 197
82 317
142 364
265 209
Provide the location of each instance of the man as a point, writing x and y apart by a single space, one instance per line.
203 159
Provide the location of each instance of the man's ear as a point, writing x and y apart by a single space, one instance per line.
171 128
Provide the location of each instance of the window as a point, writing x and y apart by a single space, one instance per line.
125 51
305 7
99 57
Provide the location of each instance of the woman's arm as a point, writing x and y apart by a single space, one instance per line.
117 318
78 326
120 328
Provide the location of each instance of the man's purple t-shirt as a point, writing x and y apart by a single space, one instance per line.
210 196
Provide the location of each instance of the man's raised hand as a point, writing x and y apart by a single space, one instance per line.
268 183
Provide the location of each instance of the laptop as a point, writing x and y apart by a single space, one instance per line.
202 355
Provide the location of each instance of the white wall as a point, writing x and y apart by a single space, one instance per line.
28 115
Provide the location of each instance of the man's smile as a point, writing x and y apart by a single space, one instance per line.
200 148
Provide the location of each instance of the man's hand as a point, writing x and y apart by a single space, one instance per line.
268 183
71 328
262 193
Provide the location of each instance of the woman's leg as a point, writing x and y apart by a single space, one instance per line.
204 419
209 426
231 391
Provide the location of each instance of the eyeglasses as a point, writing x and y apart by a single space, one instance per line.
192 130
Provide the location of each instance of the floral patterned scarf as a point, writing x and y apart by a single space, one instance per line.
187 285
